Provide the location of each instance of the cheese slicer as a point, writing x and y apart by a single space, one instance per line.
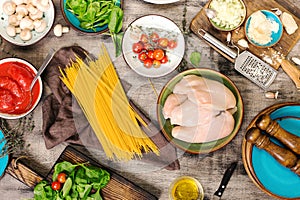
245 63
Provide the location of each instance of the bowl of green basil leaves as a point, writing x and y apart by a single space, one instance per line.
90 16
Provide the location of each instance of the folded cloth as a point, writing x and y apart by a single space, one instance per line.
64 121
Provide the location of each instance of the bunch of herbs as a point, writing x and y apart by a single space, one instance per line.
94 13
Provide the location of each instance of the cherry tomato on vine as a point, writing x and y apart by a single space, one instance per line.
164 59
137 47
158 54
163 42
55 185
156 63
61 177
150 54
172 44
142 56
154 37
144 38
148 63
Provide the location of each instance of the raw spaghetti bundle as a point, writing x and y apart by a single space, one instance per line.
99 93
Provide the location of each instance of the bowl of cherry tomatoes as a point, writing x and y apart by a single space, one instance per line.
153 46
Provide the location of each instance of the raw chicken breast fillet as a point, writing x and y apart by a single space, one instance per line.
220 127
206 91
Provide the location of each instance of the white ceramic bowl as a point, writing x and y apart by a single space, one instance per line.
49 16
147 25
36 91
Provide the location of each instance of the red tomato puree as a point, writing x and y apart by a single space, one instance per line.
15 80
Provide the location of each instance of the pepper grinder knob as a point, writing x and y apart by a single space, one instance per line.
284 156
265 123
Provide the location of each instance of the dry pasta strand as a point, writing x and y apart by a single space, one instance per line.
98 91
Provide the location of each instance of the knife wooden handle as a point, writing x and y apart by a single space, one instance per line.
265 123
292 71
23 173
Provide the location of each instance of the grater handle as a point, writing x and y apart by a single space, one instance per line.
217 44
292 71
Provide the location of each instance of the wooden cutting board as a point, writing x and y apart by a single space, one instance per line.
284 46
118 188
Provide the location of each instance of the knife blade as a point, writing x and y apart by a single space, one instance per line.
226 177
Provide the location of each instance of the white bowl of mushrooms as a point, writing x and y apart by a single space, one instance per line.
25 22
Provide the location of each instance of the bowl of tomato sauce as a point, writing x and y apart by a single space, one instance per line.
16 98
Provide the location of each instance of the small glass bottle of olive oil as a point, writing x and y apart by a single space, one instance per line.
186 188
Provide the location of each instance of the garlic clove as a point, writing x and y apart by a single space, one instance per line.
243 43
296 60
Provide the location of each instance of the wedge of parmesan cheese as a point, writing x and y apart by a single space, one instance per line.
288 23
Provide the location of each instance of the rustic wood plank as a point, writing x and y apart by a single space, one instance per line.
118 188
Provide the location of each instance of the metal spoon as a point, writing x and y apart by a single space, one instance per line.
43 67
210 13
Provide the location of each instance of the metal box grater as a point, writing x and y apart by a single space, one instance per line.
246 63
255 69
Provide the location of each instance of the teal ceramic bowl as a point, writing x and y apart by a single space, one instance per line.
268 174
276 36
74 22
4 159
166 126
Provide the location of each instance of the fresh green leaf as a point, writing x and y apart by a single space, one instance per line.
195 58
63 166
67 187
43 191
116 20
78 7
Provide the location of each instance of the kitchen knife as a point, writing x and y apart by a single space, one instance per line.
226 177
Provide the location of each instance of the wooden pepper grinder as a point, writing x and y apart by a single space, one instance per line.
284 156
265 123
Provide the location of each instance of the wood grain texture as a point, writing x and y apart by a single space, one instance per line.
118 188
208 169
284 46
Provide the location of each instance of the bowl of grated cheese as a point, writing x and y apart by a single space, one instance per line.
228 14
263 28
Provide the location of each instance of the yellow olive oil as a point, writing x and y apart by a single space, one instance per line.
186 188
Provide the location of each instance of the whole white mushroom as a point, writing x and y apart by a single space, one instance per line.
18 2
11 31
39 25
22 10
26 23
59 30
38 15
9 7
13 20
25 34
42 6
31 9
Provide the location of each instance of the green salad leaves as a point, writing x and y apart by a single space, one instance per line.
96 13
82 182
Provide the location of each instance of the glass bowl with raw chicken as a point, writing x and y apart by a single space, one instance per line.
200 110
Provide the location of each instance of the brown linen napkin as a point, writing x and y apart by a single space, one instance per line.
63 120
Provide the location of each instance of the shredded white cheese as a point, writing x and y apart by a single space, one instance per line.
260 28
229 13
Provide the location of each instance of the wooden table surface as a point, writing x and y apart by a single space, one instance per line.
209 168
